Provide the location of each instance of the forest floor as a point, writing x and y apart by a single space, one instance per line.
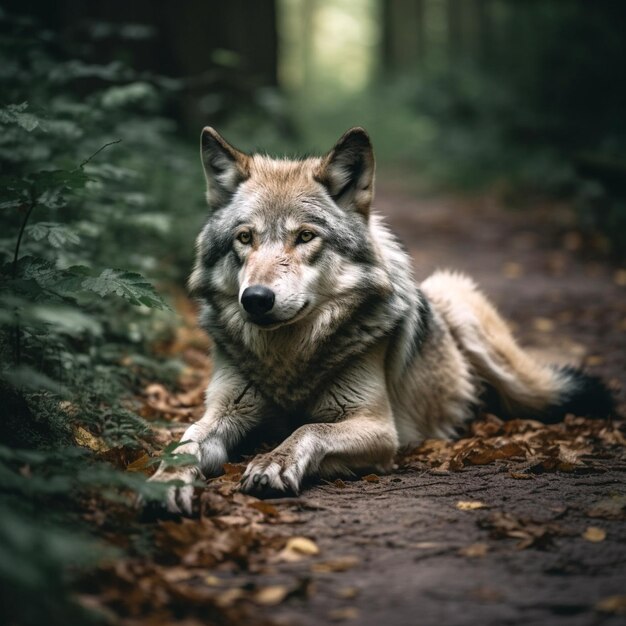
516 523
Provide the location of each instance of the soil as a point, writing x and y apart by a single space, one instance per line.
489 544
405 529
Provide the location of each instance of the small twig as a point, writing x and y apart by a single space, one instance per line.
98 151
16 328
18 243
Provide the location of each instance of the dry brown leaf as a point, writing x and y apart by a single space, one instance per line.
543 324
140 464
298 548
271 596
347 593
474 550
612 604
489 426
569 458
340 564
229 597
85 439
286 517
302 545
528 532
340 615
233 471
594 534
265 507
371 478
470 505
178 574
230 520
521 476
490 452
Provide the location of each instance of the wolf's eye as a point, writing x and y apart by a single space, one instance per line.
245 237
305 236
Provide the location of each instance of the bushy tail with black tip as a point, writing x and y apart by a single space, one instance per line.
521 385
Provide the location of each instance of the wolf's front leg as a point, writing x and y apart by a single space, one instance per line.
233 407
355 432
360 442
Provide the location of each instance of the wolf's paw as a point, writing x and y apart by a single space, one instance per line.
178 498
270 475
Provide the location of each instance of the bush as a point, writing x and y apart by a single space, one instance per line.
94 185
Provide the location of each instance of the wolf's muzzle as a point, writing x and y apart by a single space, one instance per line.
257 300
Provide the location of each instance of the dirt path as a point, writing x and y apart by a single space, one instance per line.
495 542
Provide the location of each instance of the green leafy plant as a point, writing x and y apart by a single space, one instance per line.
84 216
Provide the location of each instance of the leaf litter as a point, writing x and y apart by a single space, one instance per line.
528 447
202 570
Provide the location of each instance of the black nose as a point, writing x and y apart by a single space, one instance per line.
257 299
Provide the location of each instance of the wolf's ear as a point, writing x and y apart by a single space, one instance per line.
347 171
225 167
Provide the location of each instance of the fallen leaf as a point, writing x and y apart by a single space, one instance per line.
521 476
489 452
371 478
474 550
339 483
347 593
298 548
139 464
528 532
178 574
271 596
230 520
594 534
265 508
229 597
340 564
85 439
234 470
340 615
470 505
569 458
543 324
302 545
612 604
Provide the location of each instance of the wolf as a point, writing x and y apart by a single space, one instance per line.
317 323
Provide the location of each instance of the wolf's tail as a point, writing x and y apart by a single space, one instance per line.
581 394
520 385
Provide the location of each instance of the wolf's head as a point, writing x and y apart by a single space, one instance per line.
286 239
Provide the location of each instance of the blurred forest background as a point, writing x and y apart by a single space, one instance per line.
101 107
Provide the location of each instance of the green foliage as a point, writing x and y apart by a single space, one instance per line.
90 172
